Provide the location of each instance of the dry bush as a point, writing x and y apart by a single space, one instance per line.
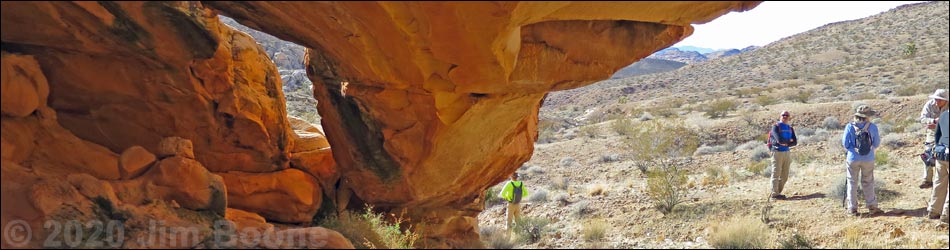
740 233
559 183
496 238
597 189
539 195
594 230
622 126
590 131
530 229
666 187
720 108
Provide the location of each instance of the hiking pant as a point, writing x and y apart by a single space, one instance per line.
514 213
781 161
938 196
929 170
864 170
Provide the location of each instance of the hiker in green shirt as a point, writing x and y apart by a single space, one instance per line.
513 191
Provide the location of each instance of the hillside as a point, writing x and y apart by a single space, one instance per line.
647 66
901 52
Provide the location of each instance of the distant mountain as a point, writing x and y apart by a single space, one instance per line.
701 50
647 66
674 54
721 53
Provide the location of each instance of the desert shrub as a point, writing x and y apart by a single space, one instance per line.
751 145
622 126
804 132
720 108
597 189
840 190
590 131
706 150
760 153
882 159
831 122
765 100
740 233
496 238
908 90
567 161
716 175
536 170
539 195
758 167
610 158
646 116
559 183
913 127
530 229
594 230
491 197
581 209
370 230
802 96
666 187
797 241
562 199
654 140
893 141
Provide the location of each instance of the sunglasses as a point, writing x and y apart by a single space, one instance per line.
784 115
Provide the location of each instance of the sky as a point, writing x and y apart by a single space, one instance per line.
771 21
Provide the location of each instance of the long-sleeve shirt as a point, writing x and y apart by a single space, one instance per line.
942 135
507 192
783 133
931 111
848 141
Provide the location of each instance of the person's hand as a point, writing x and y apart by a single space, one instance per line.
932 126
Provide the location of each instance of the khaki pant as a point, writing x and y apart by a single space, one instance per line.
864 169
938 196
781 161
514 213
929 170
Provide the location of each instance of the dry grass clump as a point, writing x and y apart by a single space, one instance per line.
740 233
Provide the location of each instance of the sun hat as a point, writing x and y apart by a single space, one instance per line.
940 94
864 111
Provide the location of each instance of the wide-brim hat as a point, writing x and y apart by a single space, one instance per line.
864 111
940 94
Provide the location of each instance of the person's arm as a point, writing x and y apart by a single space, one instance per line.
846 141
926 113
794 141
941 125
524 190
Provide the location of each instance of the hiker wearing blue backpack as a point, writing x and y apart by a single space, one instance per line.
513 192
940 151
781 140
861 139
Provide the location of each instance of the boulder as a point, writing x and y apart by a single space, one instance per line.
24 87
289 196
134 161
176 146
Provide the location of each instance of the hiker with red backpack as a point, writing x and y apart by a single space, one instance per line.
513 192
781 139
861 139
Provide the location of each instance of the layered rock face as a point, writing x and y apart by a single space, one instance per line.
427 104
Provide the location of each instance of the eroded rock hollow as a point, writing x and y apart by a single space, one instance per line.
424 104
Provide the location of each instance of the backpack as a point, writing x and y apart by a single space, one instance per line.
863 139
517 192
768 138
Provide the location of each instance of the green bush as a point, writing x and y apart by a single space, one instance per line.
765 100
655 140
720 108
590 131
370 230
666 187
622 126
530 229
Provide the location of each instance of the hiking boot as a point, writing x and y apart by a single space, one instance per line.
933 216
778 196
853 212
874 211
926 184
